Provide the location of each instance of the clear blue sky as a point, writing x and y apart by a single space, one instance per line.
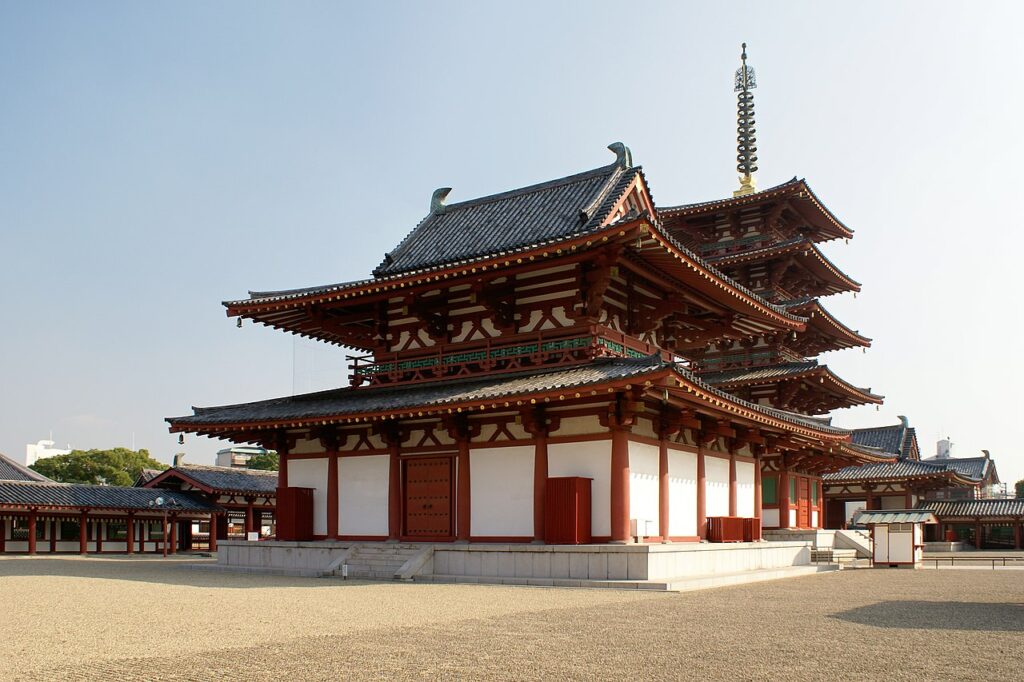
158 159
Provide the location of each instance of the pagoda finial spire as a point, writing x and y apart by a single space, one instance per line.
746 134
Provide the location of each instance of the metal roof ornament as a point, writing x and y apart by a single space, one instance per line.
623 157
437 199
746 133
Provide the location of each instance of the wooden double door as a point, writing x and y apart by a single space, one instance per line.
429 502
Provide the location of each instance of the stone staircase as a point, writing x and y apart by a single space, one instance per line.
845 558
383 561
856 540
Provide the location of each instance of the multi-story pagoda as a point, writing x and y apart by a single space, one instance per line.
768 242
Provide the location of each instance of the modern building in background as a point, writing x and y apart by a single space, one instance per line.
238 456
41 450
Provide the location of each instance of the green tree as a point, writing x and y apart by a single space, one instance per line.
117 466
1019 487
266 461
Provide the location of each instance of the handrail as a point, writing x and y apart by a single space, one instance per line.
993 559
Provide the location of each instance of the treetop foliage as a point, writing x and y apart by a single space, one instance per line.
117 466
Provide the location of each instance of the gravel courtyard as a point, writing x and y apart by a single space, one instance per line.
74 618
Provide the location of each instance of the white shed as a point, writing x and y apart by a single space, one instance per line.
897 536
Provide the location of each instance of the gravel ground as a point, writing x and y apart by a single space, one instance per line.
79 618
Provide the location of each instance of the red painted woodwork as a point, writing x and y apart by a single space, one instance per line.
394 493
784 501
803 510
332 495
758 501
462 494
702 515
294 514
428 498
540 487
213 532
752 529
248 516
129 538
732 484
282 470
53 535
726 528
173 544
620 486
663 490
32 532
568 511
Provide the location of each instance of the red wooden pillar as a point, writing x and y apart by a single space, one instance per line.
1018 541
702 513
620 485
282 470
870 502
394 491
32 532
733 490
332 493
173 545
462 491
540 482
248 516
98 527
758 502
213 531
3 535
53 535
977 535
908 498
663 489
784 498
129 537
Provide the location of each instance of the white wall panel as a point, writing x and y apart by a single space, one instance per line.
682 493
770 518
643 486
589 459
312 473
363 495
745 489
716 474
501 491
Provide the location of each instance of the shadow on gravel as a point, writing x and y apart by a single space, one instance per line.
155 571
938 615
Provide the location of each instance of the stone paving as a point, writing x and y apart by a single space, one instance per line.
85 619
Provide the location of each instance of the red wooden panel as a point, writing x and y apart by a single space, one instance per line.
428 497
803 514
294 514
751 529
725 528
567 511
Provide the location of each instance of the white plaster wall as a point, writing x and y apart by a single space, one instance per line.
590 459
312 473
770 518
501 491
716 475
897 502
814 518
643 486
792 518
682 493
362 495
745 489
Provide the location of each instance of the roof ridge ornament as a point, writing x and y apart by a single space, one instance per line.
746 134
437 199
623 157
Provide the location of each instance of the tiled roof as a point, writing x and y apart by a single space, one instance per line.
148 475
531 215
347 401
875 516
903 468
378 399
754 375
228 479
76 496
972 467
885 438
15 471
797 245
974 508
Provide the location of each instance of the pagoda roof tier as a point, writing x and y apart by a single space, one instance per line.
835 335
978 468
804 252
817 379
901 470
251 422
612 207
796 193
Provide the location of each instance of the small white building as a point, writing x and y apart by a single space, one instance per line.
41 450
238 456
897 536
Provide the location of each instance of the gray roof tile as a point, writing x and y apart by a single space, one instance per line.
974 508
15 471
228 479
903 468
77 496
972 467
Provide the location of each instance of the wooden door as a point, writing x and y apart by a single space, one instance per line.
429 494
803 513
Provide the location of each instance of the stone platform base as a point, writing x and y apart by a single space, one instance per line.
943 547
635 566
